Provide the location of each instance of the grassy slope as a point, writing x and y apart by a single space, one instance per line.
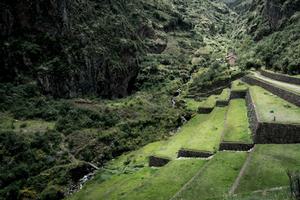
238 86
210 102
237 126
138 158
196 135
192 104
7 122
266 103
216 179
224 95
268 167
168 180
148 183
283 194
209 133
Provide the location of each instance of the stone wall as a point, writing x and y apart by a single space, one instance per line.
155 161
203 110
270 133
251 113
194 153
281 77
235 146
277 133
284 94
238 94
222 103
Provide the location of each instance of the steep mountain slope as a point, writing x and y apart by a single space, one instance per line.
83 82
269 31
81 47
91 48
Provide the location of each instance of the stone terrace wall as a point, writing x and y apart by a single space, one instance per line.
155 161
277 133
194 153
284 94
202 110
252 117
235 146
281 77
222 103
235 94
270 133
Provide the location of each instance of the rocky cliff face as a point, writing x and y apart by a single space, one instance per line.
267 16
75 48
269 30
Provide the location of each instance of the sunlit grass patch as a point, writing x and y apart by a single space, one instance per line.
268 167
217 177
237 125
271 108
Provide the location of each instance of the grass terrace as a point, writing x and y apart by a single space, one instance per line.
202 133
237 126
238 85
147 183
280 194
269 106
216 179
268 167
224 96
192 104
135 159
7 122
210 102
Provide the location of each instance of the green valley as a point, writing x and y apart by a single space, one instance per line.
150 100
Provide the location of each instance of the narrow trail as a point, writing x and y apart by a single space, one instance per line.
288 86
242 171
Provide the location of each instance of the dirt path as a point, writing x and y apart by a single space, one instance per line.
238 179
288 86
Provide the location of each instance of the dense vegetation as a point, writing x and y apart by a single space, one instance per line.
268 34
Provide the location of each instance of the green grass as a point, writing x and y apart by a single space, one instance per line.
237 126
138 158
200 133
282 194
210 102
224 95
238 85
268 167
269 105
209 133
7 122
167 181
148 183
216 179
192 104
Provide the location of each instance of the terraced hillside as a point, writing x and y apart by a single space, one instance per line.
150 100
255 171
